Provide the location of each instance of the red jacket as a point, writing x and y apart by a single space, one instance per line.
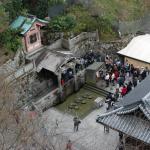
116 75
124 91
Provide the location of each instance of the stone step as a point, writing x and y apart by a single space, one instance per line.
96 89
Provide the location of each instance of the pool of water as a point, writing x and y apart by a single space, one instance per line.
79 104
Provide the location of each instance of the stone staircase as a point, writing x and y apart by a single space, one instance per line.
95 89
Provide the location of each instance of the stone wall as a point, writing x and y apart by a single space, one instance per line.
82 43
78 45
85 36
68 88
110 48
46 101
57 44
65 44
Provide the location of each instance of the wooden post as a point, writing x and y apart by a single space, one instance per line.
75 78
60 86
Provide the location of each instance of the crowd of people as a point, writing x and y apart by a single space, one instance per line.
123 76
87 59
80 64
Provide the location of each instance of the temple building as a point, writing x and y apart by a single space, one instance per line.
30 28
132 118
137 52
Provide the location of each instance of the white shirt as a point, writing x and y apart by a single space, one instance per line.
107 77
112 76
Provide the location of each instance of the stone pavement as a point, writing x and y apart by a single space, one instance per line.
90 136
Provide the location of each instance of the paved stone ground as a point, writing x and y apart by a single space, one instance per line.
90 136
102 84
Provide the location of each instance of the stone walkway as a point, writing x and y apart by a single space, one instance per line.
90 136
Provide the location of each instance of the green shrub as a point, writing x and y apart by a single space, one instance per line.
62 23
10 39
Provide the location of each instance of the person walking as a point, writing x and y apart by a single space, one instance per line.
76 124
69 145
106 129
57 122
77 127
75 120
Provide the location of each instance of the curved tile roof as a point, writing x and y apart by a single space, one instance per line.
25 23
138 48
138 94
127 124
122 120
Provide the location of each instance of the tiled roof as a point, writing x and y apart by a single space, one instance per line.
128 110
51 61
122 118
145 110
139 93
128 124
138 45
25 23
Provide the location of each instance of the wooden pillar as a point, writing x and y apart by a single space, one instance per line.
75 78
60 86
124 141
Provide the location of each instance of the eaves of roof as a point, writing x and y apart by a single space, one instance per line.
25 23
129 125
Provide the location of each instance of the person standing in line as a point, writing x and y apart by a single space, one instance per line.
113 79
124 91
135 81
107 79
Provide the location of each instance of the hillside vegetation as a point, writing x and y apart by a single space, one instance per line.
78 16
124 10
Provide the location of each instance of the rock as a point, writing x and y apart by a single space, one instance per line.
90 97
73 104
83 102
76 107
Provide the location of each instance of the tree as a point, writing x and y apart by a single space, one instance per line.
18 129
84 20
103 24
10 39
22 128
62 23
55 2
40 7
12 127
3 18
14 8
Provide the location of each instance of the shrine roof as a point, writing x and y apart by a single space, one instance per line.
25 23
